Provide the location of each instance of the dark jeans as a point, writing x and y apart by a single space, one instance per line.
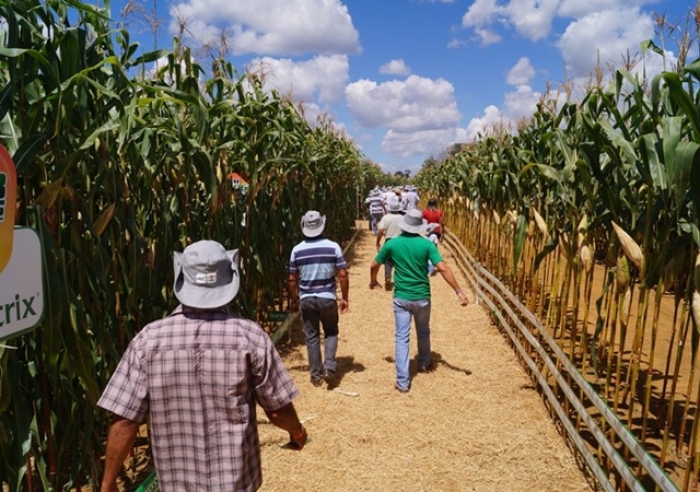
374 219
316 311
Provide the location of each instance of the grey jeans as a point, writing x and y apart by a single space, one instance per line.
317 311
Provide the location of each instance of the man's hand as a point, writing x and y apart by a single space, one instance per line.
299 439
462 298
343 306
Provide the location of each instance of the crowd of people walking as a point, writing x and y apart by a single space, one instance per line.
200 372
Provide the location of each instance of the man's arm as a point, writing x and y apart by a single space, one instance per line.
293 291
286 418
452 281
120 441
373 270
344 281
380 235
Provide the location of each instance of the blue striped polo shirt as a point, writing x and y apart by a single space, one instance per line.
375 204
317 261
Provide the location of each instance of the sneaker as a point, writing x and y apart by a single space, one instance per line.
331 378
400 389
317 381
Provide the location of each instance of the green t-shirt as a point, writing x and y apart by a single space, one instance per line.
410 254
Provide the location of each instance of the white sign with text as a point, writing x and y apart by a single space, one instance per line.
21 285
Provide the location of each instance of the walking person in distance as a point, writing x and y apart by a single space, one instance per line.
388 229
376 208
314 266
410 253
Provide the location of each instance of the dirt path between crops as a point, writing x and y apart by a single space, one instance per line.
474 424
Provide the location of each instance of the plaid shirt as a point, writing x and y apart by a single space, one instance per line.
200 375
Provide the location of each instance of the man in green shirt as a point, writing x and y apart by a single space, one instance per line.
410 253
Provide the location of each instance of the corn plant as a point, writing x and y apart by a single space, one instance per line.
613 179
116 171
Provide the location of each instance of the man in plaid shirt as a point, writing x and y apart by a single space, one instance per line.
199 373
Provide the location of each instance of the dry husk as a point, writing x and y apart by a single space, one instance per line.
622 273
586 258
629 246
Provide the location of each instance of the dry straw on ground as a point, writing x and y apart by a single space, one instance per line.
474 424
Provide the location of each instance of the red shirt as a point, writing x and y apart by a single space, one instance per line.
433 216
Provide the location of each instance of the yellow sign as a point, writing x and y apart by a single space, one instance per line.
8 199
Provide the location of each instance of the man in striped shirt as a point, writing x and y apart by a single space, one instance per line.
313 267
376 208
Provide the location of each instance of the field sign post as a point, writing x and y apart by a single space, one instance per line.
21 261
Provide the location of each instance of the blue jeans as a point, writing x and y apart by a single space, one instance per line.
317 311
375 218
403 310
388 269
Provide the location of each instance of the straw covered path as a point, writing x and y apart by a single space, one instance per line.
474 424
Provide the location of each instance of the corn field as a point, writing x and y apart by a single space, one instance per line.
590 213
117 169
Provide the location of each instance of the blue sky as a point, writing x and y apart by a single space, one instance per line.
404 79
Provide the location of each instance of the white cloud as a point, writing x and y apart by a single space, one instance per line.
521 103
481 12
578 8
492 118
420 114
395 67
517 105
487 36
532 19
604 37
271 27
522 73
456 43
415 104
421 142
321 78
